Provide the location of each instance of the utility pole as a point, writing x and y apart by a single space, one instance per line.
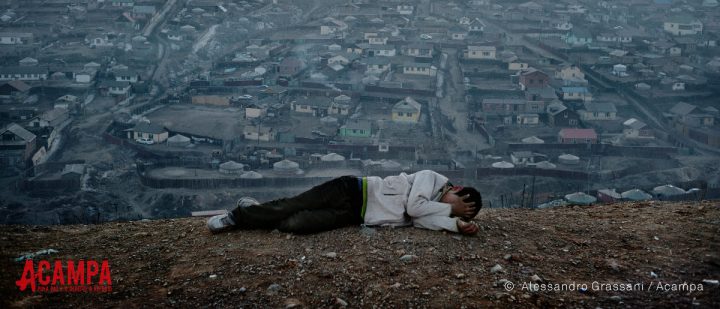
532 194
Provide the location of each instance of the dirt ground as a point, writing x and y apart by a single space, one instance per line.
178 263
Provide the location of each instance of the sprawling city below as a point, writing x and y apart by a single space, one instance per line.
147 109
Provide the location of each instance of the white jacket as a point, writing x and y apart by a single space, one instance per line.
408 199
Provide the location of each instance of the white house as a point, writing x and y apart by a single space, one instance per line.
571 74
598 111
476 25
111 87
418 50
16 38
100 41
620 70
678 86
332 26
416 68
480 52
338 59
405 9
382 50
377 65
377 40
85 76
129 76
26 73
575 94
683 25
635 129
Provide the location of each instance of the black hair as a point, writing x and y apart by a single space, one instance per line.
475 196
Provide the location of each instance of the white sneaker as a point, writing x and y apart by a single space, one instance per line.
246 201
220 223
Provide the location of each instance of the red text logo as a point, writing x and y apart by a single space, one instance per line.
71 276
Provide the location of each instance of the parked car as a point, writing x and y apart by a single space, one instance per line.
146 141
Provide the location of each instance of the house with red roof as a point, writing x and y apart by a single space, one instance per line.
577 136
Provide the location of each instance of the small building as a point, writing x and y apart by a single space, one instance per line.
476 26
457 33
85 76
14 89
356 128
341 105
330 26
258 133
620 70
691 115
405 9
480 53
503 106
291 66
577 136
683 25
575 94
598 111
420 68
636 129
114 88
382 51
122 3
51 118
317 106
527 119
253 110
406 111
126 75
377 65
520 158
561 116
578 37
532 78
146 130
16 38
571 74
17 146
420 50
24 73
518 66
377 40
143 11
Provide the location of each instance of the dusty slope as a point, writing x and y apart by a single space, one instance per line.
177 262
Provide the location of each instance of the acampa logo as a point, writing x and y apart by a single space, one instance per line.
71 276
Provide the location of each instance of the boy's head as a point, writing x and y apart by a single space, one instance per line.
458 192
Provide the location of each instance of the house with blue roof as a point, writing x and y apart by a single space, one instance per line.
575 94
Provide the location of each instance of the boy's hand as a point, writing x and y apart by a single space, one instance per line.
461 209
467 228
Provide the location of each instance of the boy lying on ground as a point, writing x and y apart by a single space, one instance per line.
424 199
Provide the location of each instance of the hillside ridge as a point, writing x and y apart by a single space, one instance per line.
177 262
